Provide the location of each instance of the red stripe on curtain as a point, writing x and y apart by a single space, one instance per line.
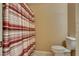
10 41
27 49
7 25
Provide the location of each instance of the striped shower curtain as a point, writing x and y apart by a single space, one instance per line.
18 29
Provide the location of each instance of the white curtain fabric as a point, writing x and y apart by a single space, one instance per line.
18 30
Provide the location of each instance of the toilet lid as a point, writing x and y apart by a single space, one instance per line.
60 48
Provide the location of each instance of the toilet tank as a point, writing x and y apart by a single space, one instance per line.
71 42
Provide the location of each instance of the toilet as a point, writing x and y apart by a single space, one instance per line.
59 50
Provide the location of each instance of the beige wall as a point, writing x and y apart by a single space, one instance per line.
51 24
0 22
77 28
71 20
0 27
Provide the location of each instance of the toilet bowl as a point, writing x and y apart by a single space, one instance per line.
62 51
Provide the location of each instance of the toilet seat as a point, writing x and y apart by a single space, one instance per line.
59 49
